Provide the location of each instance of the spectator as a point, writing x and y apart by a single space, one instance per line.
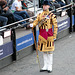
54 4
69 10
62 13
19 13
24 6
61 2
9 3
67 1
18 18
3 20
10 16
17 7
8 6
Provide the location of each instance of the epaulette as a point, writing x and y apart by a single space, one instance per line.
53 15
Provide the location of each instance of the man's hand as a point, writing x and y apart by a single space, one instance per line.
28 26
31 25
6 8
19 9
54 39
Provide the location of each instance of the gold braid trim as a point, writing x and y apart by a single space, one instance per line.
42 39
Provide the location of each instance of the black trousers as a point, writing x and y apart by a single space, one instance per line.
10 17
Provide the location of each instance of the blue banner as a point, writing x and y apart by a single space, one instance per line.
6 49
63 24
24 41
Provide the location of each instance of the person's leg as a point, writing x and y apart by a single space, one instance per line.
24 14
62 4
50 61
18 18
45 57
30 13
10 17
4 20
27 16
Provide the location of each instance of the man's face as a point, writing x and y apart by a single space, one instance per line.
45 7
20 0
53 0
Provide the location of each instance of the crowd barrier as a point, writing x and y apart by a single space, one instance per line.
6 50
13 47
24 41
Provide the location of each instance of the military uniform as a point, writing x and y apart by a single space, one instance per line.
46 35
45 20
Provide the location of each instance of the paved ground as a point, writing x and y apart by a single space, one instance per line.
64 61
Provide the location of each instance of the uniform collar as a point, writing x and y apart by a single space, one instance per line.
46 12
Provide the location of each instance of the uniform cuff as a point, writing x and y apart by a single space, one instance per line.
31 25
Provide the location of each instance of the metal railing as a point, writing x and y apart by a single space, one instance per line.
12 24
13 35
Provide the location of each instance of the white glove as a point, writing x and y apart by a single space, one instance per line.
31 25
54 39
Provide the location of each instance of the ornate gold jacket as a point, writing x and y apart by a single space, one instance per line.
46 35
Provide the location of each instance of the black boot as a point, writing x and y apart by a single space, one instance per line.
42 70
49 71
